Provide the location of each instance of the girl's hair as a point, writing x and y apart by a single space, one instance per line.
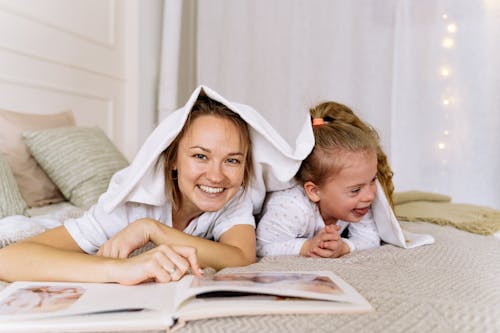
342 129
205 106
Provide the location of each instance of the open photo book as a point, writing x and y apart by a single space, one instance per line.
88 307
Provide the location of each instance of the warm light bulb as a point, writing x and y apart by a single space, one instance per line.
444 71
452 27
441 145
448 42
445 132
446 101
444 16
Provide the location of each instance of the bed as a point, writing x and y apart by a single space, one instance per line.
452 285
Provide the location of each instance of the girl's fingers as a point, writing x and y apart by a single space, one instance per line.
324 253
332 228
331 236
312 254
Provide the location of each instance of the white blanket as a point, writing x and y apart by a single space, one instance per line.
274 161
18 227
389 228
275 164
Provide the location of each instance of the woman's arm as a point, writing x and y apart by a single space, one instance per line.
55 256
236 246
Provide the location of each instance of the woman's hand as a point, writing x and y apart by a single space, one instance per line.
134 236
162 264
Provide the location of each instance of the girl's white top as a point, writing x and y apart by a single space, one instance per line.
289 218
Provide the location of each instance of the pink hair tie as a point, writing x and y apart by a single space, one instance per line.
318 121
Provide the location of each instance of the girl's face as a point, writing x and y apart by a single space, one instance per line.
348 195
210 164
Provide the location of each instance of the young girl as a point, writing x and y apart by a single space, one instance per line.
191 190
337 187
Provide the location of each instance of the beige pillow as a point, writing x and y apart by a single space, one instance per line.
80 161
35 186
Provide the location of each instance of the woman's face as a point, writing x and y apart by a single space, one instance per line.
210 164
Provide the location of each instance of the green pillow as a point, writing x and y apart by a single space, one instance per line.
79 160
11 202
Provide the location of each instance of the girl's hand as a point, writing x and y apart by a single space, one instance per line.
162 264
327 234
330 249
134 236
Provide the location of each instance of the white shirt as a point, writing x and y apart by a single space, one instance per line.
289 218
96 226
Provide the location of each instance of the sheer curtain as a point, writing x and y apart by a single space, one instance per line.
423 73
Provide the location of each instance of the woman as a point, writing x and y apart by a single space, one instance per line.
192 190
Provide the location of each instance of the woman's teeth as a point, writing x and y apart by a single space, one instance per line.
211 190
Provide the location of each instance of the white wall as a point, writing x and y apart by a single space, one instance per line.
143 41
94 57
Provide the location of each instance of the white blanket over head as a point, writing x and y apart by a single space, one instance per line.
274 161
389 228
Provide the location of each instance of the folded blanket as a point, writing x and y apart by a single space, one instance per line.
437 208
410 196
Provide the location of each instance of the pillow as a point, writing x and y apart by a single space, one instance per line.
400 198
80 161
35 186
12 203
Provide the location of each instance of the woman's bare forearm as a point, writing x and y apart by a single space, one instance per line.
29 260
235 248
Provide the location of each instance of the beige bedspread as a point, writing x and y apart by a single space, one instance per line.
450 286
438 208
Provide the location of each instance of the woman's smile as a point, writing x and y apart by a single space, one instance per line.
211 190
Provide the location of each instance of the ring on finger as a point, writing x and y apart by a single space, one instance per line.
171 270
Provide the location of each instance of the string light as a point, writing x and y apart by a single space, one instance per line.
447 98
444 71
448 42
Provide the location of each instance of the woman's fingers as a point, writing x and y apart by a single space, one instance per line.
161 264
178 261
189 253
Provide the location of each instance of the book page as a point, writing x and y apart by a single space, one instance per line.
267 293
307 285
32 300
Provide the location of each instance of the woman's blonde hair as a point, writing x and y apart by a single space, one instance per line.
340 128
204 106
